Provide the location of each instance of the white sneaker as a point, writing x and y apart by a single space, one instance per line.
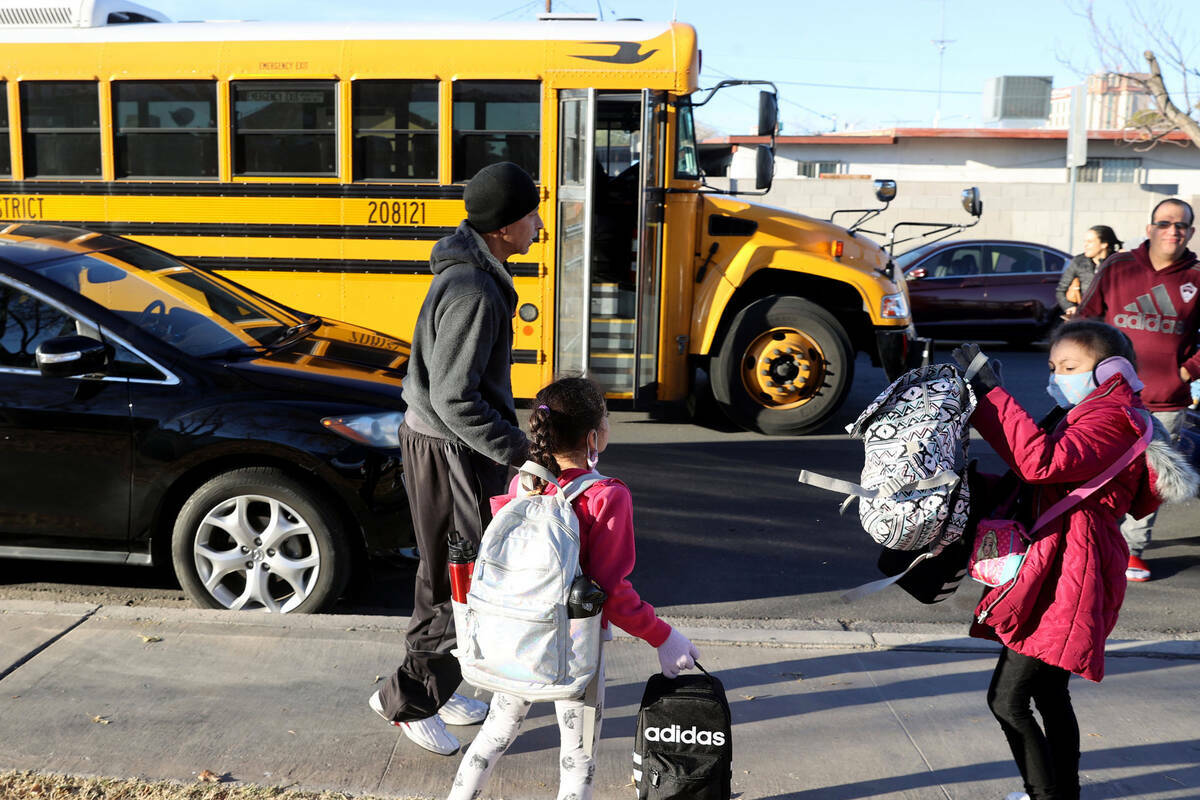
431 734
377 706
1016 796
463 710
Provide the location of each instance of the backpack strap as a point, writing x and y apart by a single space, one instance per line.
580 485
1082 492
536 469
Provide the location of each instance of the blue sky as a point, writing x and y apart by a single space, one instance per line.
860 65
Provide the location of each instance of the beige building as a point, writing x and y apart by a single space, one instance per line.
1111 100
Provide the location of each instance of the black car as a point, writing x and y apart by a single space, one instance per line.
152 411
983 289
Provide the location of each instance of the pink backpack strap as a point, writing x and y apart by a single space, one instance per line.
1083 492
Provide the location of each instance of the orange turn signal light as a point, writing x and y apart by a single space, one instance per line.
836 247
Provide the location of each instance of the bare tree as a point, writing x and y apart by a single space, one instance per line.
1148 33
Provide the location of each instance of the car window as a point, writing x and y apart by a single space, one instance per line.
907 259
26 322
1011 259
953 262
1053 261
197 312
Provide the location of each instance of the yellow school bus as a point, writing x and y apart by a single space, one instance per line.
318 163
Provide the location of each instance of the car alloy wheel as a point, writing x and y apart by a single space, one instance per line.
255 539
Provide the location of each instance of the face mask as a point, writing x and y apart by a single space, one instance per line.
1069 390
593 454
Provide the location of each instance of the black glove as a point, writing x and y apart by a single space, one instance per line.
988 376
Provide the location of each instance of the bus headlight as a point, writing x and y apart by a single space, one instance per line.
894 306
374 430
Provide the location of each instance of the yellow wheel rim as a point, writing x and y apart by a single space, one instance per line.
783 368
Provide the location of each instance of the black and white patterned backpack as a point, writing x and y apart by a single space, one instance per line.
913 495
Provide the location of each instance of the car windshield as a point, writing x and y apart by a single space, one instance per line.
906 260
194 311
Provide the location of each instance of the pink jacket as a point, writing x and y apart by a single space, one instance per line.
607 554
1065 599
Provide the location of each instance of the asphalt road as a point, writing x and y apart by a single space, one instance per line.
726 535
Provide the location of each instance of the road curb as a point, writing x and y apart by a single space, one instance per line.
749 633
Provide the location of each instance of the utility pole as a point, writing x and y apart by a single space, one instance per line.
940 44
548 6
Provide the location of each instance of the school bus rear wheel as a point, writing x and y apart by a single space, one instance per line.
784 366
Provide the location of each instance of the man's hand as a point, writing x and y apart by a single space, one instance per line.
1071 312
1185 376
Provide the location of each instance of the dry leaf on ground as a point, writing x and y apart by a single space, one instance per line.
101 720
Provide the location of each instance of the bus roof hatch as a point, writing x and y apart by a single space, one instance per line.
73 13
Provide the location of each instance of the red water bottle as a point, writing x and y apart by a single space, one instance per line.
461 561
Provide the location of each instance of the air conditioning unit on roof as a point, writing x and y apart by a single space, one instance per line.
74 13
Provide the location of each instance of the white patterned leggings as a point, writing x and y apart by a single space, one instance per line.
500 729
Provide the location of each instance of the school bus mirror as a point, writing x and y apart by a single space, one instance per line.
768 113
764 167
971 202
885 190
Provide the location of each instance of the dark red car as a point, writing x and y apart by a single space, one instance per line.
983 289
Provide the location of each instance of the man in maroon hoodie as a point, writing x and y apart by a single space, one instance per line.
1150 293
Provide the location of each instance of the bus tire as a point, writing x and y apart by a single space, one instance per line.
783 368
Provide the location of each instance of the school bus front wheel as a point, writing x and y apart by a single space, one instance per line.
784 366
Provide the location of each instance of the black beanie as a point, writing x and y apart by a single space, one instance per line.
499 195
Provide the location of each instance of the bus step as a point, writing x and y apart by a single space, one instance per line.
610 300
613 334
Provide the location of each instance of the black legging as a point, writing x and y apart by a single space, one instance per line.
1049 761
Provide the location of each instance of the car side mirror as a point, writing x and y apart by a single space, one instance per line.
971 202
764 167
885 190
69 356
915 274
768 113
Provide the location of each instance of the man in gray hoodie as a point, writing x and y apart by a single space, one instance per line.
459 436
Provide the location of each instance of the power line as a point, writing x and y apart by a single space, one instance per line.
874 88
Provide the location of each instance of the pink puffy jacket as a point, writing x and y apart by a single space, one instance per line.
1065 599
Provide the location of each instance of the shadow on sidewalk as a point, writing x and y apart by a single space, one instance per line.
1145 784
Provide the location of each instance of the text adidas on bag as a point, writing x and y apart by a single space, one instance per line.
674 733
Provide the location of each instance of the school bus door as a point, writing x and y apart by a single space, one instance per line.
609 240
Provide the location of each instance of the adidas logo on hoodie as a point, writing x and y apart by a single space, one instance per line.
1153 312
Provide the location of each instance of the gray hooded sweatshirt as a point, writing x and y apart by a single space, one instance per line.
459 382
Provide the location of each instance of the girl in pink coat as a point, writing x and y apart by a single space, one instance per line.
1054 617
567 432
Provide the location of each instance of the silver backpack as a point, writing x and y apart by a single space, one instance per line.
514 635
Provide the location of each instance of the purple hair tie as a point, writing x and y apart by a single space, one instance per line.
544 408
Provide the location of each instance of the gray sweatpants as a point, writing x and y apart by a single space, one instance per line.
1137 532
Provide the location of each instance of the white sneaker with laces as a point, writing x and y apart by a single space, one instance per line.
377 706
431 734
463 710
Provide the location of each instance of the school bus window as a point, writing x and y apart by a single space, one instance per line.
686 165
61 122
395 130
5 156
495 121
284 128
165 130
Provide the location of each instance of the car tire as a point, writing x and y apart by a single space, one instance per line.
255 538
784 367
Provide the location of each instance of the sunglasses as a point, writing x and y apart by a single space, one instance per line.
1163 224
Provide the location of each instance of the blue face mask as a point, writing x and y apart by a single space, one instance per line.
1069 390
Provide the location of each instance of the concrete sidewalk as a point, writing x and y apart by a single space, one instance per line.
157 693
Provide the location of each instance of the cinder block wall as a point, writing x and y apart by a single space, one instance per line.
1036 212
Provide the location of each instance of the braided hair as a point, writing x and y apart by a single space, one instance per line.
564 412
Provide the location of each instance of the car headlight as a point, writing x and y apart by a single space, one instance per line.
894 306
375 430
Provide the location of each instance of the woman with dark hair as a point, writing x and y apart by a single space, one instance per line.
1098 244
1054 615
